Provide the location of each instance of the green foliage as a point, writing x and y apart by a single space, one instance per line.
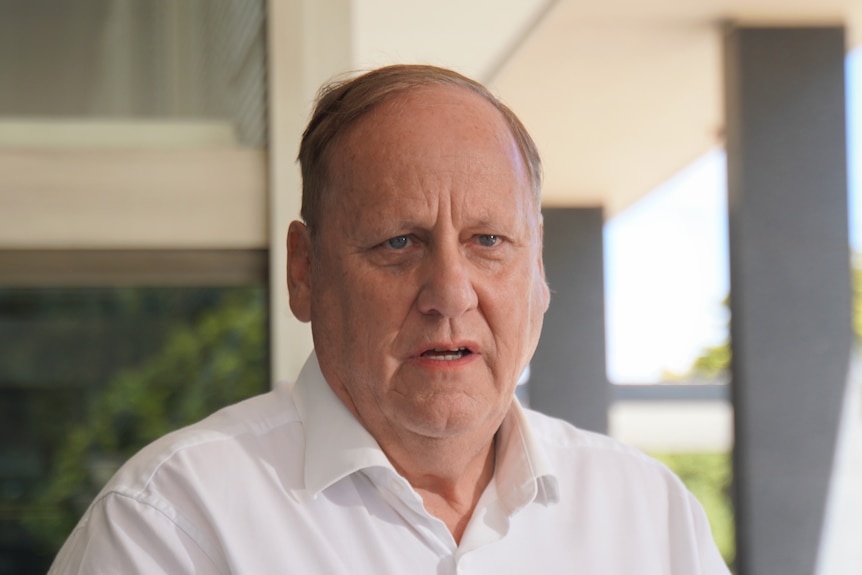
217 360
857 297
708 476
712 362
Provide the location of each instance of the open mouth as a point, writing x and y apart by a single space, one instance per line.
446 354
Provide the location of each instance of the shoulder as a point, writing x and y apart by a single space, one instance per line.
596 470
618 493
184 493
219 444
571 448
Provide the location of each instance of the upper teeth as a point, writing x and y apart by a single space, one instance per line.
448 354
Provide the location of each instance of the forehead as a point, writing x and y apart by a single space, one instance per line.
425 133
425 115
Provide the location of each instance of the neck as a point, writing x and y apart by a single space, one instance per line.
449 480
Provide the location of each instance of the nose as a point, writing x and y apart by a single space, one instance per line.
447 289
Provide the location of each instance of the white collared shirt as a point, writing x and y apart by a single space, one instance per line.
290 482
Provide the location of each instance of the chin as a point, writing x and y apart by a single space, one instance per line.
442 419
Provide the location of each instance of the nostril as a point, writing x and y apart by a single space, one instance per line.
448 287
447 299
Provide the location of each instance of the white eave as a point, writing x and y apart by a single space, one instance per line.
619 95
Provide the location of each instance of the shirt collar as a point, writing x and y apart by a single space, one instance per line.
337 445
523 473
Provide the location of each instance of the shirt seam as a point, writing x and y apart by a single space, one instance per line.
180 521
209 437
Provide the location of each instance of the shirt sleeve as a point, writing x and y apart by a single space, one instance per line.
120 534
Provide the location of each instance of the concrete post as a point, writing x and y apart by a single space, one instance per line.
568 374
790 285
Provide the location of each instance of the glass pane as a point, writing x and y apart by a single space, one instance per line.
199 60
667 278
90 375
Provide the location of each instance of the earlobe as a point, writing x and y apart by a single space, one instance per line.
299 254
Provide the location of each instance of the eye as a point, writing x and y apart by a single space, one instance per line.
488 240
397 243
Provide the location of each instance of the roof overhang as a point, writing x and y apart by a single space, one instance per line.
619 95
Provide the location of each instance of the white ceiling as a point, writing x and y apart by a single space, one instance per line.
619 94
471 36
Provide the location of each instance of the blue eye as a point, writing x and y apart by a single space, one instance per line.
397 243
488 240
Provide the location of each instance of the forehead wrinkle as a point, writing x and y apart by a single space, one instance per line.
384 137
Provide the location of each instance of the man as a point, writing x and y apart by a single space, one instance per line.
401 448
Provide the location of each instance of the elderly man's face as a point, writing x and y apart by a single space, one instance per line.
426 289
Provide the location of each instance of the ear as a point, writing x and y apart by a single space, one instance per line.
299 252
546 291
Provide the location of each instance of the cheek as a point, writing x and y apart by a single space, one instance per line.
507 310
366 308
333 306
519 310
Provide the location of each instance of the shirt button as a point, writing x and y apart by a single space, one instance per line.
396 486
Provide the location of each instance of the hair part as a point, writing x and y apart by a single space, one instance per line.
340 103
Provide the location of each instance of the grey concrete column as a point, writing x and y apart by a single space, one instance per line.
568 375
790 285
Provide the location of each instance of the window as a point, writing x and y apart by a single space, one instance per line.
90 375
